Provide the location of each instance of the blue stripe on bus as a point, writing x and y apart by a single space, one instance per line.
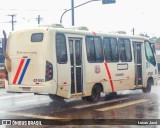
24 71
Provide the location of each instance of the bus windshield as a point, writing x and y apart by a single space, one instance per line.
149 53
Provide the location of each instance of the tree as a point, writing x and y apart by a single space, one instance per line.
144 34
153 39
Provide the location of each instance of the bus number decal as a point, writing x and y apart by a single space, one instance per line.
38 80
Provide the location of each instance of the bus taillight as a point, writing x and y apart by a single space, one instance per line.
49 71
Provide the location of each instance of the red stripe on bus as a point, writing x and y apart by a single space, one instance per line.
18 71
109 75
94 33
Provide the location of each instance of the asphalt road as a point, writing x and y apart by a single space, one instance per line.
129 106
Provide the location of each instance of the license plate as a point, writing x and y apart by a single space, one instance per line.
26 89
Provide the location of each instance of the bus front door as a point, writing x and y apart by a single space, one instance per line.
138 62
75 47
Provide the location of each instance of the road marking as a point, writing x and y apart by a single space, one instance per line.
15 96
29 115
45 99
40 101
121 105
99 103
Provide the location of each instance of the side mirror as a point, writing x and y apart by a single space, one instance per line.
4 44
7 61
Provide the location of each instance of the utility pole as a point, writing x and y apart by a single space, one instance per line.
72 7
133 31
13 21
39 19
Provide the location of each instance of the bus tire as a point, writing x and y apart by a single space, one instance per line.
55 97
149 86
96 94
84 99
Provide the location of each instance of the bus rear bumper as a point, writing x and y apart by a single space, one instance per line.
48 89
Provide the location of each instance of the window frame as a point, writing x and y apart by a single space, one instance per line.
95 53
124 44
59 62
33 40
110 46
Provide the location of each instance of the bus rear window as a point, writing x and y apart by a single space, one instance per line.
37 37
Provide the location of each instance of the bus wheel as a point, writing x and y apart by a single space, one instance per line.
55 97
96 94
84 98
149 86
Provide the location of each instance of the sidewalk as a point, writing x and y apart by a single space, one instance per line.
2 83
3 92
2 78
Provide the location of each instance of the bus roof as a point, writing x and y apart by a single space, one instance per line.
81 31
85 31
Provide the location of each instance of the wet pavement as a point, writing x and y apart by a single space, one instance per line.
128 106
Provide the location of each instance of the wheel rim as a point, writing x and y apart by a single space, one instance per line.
96 95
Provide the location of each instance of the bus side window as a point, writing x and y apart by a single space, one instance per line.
122 52
114 48
61 49
124 46
110 49
98 49
107 49
94 49
90 49
128 50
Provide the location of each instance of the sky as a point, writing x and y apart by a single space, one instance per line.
124 15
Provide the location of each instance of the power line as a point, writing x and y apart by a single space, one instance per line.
25 9
5 22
